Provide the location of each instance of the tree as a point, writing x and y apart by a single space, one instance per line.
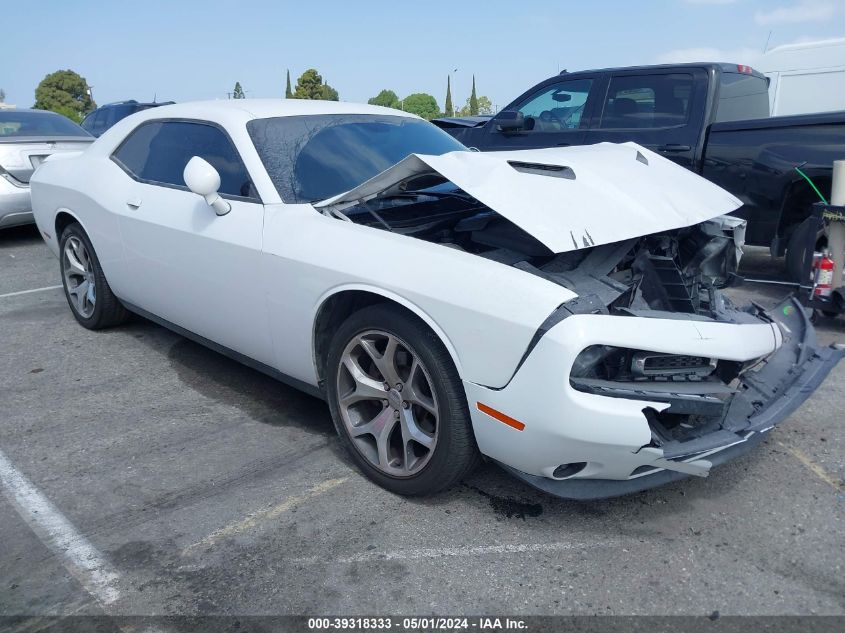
450 111
310 86
65 92
328 93
288 91
422 104
473 100
386 98
483 106
238 92
2 96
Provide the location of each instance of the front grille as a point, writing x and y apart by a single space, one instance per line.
647 364
658 363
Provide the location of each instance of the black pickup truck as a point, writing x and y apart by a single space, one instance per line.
711 118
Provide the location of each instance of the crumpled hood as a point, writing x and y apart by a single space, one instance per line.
568 198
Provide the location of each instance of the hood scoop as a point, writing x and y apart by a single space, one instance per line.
567 198
540 169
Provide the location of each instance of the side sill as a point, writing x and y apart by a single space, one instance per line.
301 385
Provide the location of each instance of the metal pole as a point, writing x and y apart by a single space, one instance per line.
836 232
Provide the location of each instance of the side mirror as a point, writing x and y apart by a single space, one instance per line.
204 181
509 121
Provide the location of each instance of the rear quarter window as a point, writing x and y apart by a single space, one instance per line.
742 97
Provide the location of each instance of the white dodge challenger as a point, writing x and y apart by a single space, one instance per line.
556 311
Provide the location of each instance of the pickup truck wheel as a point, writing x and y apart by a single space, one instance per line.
796 248
398 403
88 293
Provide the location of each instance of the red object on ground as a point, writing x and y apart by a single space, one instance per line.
823 285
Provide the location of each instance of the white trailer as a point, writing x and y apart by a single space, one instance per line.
805 78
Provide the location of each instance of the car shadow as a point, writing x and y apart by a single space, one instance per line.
19 236
228 382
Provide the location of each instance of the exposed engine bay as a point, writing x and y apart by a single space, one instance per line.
675 271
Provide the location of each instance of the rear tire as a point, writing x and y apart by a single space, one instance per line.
415 436
88 294
796 248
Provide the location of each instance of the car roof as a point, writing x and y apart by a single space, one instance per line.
33 111
133 102
724 67
248 109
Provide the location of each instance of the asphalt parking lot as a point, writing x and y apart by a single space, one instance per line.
199 486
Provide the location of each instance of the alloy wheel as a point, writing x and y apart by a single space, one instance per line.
387 402
78 271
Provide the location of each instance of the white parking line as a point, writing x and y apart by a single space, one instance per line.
440 552
28 292
79 557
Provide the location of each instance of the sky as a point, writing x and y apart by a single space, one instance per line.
197 49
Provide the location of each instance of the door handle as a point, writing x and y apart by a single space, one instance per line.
134 203
562 145
673 147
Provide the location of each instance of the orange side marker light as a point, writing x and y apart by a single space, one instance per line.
501 417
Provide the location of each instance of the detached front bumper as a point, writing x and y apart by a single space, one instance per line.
609 437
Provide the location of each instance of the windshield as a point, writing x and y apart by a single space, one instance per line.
27 123
311 158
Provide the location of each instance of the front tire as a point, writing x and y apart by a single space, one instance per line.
398 403
88 294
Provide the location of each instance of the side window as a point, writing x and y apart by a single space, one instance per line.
157 152
118 113
98 119
558 107
88 122
647 101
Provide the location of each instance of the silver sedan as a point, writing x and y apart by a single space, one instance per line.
27 137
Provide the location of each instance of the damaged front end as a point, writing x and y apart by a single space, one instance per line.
710 409
704 411
710 404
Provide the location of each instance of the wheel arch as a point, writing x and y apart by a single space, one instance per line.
797 203
338 304
64 218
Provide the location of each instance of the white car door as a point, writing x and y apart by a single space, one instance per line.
184 263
